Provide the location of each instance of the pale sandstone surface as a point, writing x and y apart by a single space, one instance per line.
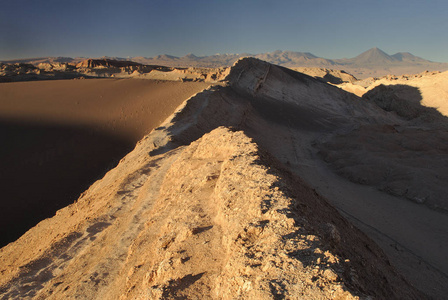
407 160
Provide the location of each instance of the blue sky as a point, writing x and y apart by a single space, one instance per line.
330 29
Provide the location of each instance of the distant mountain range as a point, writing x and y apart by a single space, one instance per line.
373 62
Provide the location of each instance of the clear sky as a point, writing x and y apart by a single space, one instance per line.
326 28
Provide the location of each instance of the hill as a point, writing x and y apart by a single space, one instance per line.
373 62
230 196
372 57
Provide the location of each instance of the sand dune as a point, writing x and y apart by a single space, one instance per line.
60 136
130 108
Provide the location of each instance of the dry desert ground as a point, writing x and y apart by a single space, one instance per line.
269 185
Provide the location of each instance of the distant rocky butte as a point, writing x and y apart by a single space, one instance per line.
371 63
209 205
328 75
106 63
105 68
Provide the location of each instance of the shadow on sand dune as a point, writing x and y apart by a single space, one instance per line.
46 166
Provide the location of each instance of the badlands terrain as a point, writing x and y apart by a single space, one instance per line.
254 182
371 63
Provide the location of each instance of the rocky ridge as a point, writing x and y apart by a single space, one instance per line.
215 219
160 194
310 120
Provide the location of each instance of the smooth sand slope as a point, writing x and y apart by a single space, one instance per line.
128 108
60 136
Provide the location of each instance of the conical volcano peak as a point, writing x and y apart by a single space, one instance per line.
190 56
374 56
374 50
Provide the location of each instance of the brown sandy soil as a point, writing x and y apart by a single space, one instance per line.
214 220
58 137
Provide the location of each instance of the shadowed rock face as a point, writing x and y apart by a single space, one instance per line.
404 100
198 209
406 160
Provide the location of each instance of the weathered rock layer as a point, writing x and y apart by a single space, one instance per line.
211 220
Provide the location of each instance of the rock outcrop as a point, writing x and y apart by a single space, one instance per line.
106 63
107 68
328 75
214 220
